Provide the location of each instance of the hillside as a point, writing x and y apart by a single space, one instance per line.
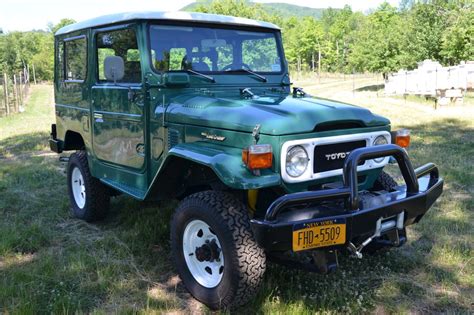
283 9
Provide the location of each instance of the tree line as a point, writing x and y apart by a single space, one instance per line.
384 40
19 50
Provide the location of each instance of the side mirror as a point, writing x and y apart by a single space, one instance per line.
114 68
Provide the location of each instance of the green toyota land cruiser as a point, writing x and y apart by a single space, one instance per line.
199 108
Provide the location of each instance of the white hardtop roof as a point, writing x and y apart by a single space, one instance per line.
169 16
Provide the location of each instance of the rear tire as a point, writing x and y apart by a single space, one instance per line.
219 222
89 198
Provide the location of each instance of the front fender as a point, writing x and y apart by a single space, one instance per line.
226 162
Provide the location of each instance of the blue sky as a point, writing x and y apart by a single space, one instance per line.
36 14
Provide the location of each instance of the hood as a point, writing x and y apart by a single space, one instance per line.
277 115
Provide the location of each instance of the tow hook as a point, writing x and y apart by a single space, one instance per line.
382 225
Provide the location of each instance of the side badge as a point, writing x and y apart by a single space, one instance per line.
212 137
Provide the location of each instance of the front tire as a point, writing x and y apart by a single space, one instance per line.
214 251
89 198
385 182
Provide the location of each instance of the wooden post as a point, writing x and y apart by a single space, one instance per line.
20 88
34 73
319 65
353 82
299 66
5 90
15 93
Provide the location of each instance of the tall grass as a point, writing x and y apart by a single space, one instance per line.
53 263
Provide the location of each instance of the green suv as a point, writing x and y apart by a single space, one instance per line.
199 108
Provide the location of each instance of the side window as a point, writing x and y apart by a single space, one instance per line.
76 59
121 43
60 61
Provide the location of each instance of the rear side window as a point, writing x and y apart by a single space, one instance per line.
60 61
121 43
76 59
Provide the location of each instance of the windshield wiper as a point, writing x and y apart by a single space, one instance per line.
202 75
261 77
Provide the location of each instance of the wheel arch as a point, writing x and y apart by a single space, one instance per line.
220 168
73 141
180 177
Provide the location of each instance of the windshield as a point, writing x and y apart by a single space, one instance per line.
213 50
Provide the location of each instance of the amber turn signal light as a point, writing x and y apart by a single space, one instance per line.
402 138
258 156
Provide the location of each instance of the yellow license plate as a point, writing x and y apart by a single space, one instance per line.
319 234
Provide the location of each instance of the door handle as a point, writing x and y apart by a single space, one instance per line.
99 118
134 97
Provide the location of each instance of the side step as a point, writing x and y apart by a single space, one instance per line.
137 193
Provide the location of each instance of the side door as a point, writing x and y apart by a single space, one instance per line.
118 113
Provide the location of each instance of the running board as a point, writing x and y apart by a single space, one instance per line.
137 193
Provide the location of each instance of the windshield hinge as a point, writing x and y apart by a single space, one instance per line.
297 91
247 93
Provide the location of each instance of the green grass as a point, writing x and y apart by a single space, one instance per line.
51 262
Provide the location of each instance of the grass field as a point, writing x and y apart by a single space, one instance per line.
51 262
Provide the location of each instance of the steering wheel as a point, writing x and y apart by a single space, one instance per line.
236 66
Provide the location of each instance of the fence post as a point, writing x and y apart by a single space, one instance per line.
15 92
5 91
20 87
34 73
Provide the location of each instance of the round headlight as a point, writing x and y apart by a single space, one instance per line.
380 140
296 161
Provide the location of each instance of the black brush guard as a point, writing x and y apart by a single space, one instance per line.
423 187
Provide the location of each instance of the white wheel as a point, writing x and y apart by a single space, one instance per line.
78 187
203 254
89 198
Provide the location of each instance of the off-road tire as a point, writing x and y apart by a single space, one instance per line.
97 201
244 260
385 182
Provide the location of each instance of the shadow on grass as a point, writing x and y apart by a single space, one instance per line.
370 88
123 263
22 144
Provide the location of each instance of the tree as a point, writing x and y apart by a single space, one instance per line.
53 28
378 47
19 49
458 39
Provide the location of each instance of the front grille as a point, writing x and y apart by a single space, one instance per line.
328 157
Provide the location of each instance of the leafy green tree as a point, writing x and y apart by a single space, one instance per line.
21 49
53 28
425 23
458 39
378 47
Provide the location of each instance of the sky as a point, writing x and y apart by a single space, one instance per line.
23 15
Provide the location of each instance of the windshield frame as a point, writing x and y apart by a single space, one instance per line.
275 32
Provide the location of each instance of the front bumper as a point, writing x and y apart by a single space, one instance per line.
362 216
